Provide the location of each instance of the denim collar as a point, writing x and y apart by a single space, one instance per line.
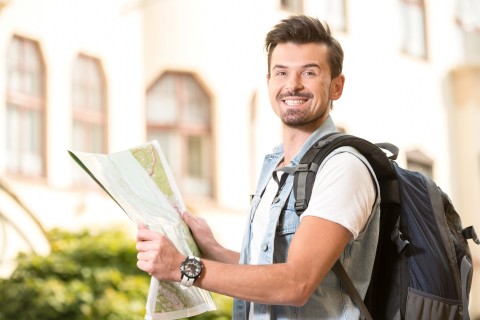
325 128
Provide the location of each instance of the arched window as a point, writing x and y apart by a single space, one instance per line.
179 117
89 112
25 113
89 106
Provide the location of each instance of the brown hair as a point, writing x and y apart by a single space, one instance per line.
301 30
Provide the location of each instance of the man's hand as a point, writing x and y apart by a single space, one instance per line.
202 234
206 242
157 255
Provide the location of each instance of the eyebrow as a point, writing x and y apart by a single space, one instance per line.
309 65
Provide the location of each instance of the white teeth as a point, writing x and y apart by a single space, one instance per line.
294 102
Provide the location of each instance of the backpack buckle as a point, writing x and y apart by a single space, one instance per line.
303 167
469 233
300 206
400 243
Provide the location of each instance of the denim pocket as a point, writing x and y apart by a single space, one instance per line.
288 220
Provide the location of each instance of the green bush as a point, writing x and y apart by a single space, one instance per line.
86 276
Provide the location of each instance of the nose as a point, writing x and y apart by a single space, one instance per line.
294 83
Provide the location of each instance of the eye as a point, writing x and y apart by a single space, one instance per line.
309 73
281 73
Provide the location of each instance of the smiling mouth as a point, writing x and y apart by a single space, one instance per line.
294 102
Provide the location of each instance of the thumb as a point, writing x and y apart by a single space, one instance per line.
142 226
190 219
187 217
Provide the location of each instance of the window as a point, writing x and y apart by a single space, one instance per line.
25 113
179 117
418 161
88 106
295 6
468 19
333 12
89 118
413 27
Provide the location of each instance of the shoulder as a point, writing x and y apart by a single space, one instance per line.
343 192
344 160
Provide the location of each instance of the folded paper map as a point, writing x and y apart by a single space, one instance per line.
139 180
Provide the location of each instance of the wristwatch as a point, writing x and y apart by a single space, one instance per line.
191 268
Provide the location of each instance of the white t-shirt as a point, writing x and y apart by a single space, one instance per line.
342 176
333 189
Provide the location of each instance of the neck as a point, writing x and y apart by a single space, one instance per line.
295 137
293 140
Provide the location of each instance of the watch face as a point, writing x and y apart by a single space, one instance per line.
191 268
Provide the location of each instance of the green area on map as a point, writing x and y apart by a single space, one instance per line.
148 157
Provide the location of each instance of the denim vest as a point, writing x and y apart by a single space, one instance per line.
329 300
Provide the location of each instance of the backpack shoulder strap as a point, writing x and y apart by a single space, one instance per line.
384 170
352 291
307 169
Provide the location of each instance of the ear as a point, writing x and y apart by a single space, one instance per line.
336 87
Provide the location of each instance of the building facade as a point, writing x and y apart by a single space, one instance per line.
103 76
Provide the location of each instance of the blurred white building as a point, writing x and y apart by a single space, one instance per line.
103 76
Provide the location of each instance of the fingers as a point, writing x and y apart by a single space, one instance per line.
145 234
146 265
159 258
150 252
144 255
151 242
143 246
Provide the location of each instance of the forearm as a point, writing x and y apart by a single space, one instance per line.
282 284
285 283
289 283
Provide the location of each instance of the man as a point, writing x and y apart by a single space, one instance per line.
283 270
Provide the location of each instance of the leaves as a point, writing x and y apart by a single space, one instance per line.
86 276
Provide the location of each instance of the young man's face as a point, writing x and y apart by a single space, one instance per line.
299 84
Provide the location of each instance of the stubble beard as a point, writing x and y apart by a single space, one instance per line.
298 119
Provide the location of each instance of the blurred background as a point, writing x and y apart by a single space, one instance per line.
104 76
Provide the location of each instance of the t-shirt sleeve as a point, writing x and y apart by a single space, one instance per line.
343 192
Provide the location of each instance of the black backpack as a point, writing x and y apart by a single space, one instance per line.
423 265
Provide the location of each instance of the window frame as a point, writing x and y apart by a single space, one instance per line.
326 14
295 6
24 102
183 130
406 24
85 114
